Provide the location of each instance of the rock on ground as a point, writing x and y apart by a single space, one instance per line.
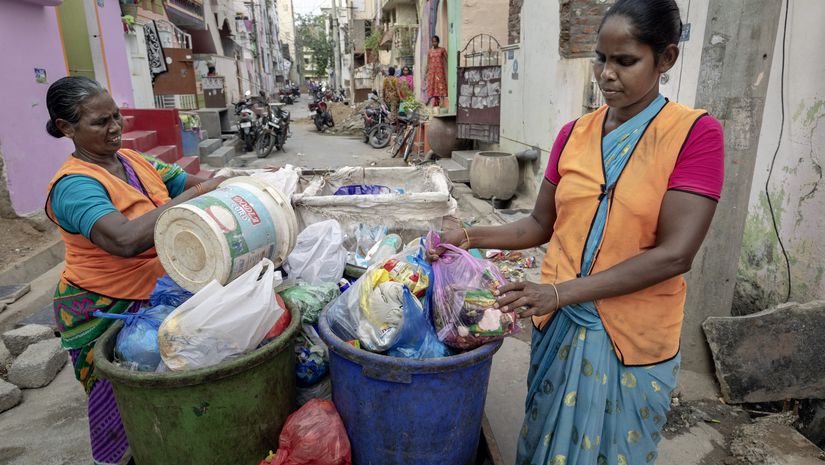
772 440
17 340
5 357
10 395
38 365
771 355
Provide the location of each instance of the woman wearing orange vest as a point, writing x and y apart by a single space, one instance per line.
105 201
628 196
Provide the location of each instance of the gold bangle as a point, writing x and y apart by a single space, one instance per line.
467 235
556 290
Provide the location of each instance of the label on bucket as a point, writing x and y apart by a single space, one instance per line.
245 223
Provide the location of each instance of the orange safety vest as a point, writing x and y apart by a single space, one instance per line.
644 326
92 268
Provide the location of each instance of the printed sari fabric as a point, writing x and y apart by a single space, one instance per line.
584 407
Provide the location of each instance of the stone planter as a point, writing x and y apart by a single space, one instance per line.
494 175
442 133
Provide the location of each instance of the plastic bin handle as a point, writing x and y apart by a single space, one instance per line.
386 373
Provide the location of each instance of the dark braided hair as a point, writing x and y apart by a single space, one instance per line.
64 98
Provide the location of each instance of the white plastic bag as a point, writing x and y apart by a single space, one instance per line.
285 179
319 255
219 322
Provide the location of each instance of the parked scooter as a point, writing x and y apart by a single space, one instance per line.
246 121
322 117
286 96
377 129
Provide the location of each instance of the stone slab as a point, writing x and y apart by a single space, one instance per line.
10 395
18 339
773 440
220 157
6 358
38 365
12 292
455 171
464 157
770 356
43 317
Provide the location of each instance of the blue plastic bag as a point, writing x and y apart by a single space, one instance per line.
168 292
417 337
363 189
136 347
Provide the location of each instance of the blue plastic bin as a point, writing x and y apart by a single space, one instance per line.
409 412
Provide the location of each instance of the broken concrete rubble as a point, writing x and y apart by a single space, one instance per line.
17 340
772 440
10 395
38 365
772 355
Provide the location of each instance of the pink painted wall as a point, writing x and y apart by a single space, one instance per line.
31 156
114 44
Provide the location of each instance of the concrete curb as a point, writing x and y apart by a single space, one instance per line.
34 266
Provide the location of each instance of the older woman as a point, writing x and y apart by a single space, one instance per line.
628 196
105 201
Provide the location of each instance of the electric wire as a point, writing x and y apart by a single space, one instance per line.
776 153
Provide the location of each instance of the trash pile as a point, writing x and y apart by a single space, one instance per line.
348 119
511 264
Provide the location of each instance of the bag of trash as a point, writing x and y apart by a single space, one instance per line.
168 292
285 179
321 390
371 310
319 255
314 435
464 310
219 322
281 325
417 338
310 299
363 189
313 357
136 347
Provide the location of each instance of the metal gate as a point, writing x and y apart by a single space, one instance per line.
479 89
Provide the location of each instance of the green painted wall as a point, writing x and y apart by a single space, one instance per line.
76 38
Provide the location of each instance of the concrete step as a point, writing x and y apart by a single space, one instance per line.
128 123
205 174
208 146
220 158
190 164
164 153
464 157
141 141
456 172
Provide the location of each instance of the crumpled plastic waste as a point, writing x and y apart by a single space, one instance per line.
312 357
136 347
511 264
417 338
168 292
313 435
310 299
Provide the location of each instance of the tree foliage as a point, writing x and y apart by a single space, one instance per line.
312 33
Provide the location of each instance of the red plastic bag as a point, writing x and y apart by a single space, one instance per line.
314 435
282 323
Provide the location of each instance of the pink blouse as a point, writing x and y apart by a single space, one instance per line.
700 167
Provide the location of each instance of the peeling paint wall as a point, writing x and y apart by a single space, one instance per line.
795 186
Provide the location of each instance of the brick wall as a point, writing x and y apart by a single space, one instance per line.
580 20
514 22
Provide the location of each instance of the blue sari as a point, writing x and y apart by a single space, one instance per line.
584 407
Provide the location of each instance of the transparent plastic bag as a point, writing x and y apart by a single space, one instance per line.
314 435
220 322
463 299
319 255
168 292
310 299
312 357
136 347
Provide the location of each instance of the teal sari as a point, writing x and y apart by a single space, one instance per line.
584 407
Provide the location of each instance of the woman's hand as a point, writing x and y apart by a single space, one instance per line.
534 299
455 237
211 184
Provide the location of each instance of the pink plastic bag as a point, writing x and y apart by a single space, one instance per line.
463 299
314 435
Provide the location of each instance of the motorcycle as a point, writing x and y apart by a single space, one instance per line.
246 122
296 90
286 96
274 131
322 117
377 130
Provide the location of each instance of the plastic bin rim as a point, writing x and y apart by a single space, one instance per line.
171 379
408 365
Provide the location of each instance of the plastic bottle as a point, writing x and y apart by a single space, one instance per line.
386 249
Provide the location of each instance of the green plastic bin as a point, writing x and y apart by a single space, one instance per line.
230 413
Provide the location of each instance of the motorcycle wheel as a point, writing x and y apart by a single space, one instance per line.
379 136
367 133
249 142
319 123
279 141
264 145
328 120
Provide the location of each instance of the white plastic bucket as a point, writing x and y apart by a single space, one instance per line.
224 233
